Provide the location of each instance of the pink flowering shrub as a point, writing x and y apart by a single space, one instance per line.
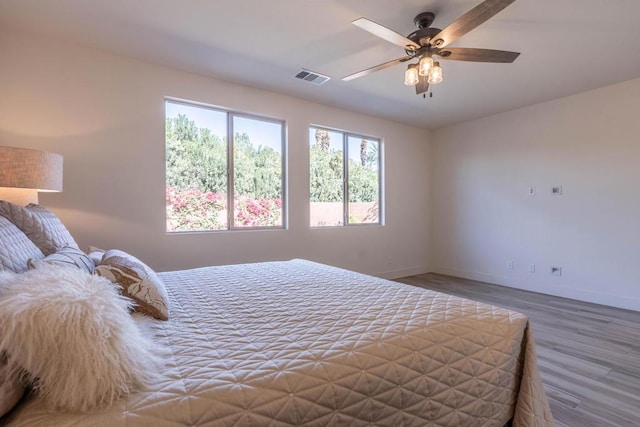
195 210
250 212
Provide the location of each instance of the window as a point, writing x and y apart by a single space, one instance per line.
344 177
216 159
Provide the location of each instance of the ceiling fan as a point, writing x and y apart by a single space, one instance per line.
426 43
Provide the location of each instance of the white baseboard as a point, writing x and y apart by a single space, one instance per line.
629 303
390 275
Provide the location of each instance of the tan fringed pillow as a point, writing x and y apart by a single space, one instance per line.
138 281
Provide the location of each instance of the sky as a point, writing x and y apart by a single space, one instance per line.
265 133
335 142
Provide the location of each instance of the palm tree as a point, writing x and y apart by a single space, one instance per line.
363 152
322 139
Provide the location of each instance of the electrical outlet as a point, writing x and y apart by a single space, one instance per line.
557 190
532 268
510 265
556 271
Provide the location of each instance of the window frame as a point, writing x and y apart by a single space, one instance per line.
345 176
230 137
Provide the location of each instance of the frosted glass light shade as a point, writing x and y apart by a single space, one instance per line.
435 74
411 75
426 62
24 172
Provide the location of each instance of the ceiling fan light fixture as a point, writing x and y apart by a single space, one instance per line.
435 74
426 62
411 75
429 42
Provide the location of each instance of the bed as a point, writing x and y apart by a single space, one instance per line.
301 343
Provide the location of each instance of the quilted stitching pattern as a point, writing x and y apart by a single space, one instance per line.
15 248
298 343
531 411
40 225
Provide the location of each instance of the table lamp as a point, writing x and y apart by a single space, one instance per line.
25 172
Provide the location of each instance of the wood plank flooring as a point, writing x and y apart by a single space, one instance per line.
588 354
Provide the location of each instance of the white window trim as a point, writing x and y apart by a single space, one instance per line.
230 166
345 177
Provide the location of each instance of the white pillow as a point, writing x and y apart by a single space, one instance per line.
101 354
95 254
40 225
68 257
15 248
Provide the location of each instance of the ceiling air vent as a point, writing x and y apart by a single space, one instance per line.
311 77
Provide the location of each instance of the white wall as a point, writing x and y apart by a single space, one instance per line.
483 216
104 113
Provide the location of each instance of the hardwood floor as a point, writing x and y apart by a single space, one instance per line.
588 354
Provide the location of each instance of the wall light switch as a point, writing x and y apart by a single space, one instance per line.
532 191
532 268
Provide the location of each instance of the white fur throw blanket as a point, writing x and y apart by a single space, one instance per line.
72 332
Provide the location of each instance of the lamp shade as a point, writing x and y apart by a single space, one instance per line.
34 170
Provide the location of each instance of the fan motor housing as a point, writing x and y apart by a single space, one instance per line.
424 19
423 35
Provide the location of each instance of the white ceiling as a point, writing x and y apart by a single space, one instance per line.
567 46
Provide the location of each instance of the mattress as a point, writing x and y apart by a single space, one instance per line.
301 343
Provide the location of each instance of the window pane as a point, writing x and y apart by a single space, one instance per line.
196 168
326 177
257 164
363 172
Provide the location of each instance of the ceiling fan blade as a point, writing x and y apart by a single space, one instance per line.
376 68
469 21
385 33
423 85
478 55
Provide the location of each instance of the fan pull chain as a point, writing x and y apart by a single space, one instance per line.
424 94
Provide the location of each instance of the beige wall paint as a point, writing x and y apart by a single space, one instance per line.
483 216
104 113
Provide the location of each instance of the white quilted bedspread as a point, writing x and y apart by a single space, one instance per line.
300 343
